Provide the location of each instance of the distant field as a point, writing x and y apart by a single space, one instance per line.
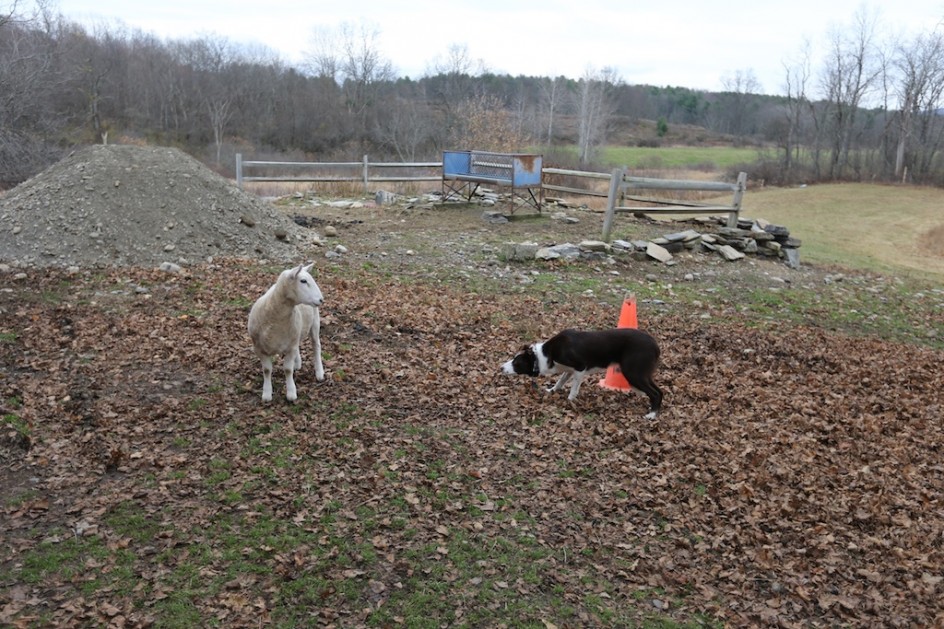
702 158
879 227
692 157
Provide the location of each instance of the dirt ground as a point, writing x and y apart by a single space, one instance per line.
794 478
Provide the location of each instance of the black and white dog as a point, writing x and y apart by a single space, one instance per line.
574 354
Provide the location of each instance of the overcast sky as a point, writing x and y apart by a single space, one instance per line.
687 43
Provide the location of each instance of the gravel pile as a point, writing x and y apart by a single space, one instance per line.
139 206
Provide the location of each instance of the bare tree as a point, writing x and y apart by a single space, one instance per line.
794 87
919 68
211 58
405 128
593 111
363 68
455 77
739 89
322 59
350 55
552 92
29 83
850 73
97 59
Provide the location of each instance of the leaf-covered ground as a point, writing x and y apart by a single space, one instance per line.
795 477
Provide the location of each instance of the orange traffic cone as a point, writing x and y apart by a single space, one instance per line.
627 319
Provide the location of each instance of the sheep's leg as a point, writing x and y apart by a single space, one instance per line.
267 379
288 366
316 341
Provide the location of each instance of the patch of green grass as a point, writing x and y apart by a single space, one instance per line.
129 520
21 498
61 556
196 404
675 157
219 472
16 423
8 337
240 303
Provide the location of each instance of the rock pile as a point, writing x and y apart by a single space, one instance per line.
756 237
751 236
133 205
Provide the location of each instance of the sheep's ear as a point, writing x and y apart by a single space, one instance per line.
307 269
297 270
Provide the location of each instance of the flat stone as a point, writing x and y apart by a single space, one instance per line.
730 253
565 250
658 252
519 251
792 257
594 245
685 236
384 197
734 232
779 232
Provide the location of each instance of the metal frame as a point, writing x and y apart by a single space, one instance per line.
465 171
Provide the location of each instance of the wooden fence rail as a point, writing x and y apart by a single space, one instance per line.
620 183
575 173
363 171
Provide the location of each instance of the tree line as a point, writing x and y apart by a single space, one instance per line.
868 109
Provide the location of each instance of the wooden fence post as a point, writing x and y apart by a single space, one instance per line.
616 185
736 202
239 170
366 176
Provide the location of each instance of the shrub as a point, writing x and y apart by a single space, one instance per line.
662 127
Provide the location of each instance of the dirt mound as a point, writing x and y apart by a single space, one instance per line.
132 205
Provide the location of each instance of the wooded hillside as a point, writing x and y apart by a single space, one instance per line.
865 113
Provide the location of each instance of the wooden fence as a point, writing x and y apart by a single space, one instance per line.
364 171
621 185
583 174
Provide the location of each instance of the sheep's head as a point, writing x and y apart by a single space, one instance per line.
303 286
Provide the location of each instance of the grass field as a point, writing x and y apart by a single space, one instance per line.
875 227
692 157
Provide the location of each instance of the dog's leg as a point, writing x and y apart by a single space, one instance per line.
575 385
560 382
644 383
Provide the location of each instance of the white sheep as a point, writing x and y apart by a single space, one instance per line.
278 323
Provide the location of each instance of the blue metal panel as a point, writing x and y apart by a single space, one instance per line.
527 170
456 162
